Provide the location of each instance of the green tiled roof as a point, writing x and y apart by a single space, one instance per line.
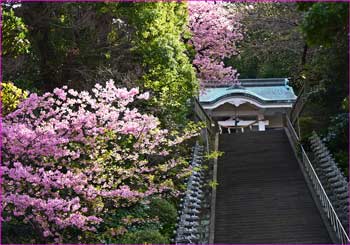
265 90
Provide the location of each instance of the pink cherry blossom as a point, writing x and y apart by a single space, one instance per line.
65 151
215 33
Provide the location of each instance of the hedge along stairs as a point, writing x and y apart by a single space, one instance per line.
262 196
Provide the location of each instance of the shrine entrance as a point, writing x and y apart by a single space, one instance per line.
256 105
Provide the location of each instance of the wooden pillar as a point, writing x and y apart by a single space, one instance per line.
261 124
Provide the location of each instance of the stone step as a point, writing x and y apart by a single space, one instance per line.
262 196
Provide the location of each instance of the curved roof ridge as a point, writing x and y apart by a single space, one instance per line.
269 90
248 82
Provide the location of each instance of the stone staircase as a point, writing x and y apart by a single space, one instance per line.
262 196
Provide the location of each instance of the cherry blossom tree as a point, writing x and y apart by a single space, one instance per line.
215 32
69 157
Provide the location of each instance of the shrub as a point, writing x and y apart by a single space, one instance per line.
11 96
144 236
166 212
306 126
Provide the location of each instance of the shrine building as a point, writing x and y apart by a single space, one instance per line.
256 104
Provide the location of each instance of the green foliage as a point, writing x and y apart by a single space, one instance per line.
166 212
273 44
345 104
14 34
136 44
342 159
213 184
329 68
338 141
307 125
27 85
11 96
169 73
75 44
17 232
214 155
325 27
121 221
324 22
144 236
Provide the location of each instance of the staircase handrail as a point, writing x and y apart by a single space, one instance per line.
317 185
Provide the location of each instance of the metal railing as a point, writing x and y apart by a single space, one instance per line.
291 129
318 188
